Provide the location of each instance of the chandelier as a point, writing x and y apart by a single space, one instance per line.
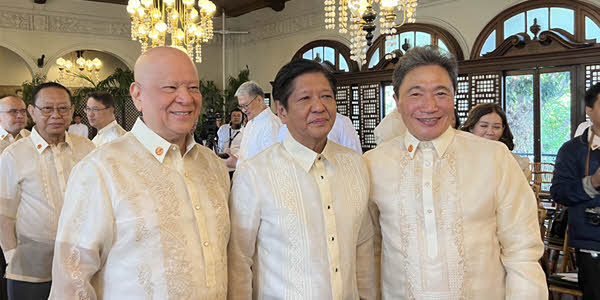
357 19
176 23
69 70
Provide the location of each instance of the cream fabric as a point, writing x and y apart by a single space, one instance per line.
523 162
110 132
33 179
301 228
390 127
6 138
342 132
457 219
260 133
142 222
79 129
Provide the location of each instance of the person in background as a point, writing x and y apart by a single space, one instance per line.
457 219
488 120
13 118
78 128
576 184
230 134
263 125
100 110
300 226
33 176
390 127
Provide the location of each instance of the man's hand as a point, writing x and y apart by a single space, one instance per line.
595 179
231 162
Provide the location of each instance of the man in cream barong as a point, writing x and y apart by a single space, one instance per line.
300 227
145 216
100 111
457 219
13 118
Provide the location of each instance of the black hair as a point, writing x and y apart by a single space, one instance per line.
103 97
591 95
282 85
42 86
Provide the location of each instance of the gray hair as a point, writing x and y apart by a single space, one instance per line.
425 56
251 89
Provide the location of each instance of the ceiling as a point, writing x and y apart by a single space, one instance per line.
233 8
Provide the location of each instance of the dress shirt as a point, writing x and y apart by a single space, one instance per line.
457 219
32 185
142 221
229 138
390 127
260 133
342 132
79 129
300 226
110 132
6 138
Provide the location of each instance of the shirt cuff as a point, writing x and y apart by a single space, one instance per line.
589 188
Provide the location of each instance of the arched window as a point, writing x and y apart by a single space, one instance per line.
329 52
535 59
409 36
579 19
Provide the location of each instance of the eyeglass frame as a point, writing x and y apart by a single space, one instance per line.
15 112
57 109
94 109
246 106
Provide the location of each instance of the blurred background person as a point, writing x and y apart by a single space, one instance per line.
230 134
78 128
488 120
100 110
13 118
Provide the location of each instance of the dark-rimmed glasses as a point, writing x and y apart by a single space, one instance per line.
48 110
245 106
94 109
15 112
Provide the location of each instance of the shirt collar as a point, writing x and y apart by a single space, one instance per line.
440 143
304 156
107 127
596 142
263 114
154 143
40 143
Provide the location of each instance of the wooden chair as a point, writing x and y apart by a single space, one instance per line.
558 285
542 177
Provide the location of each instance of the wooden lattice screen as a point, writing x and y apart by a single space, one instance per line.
477 88
369 113
592 75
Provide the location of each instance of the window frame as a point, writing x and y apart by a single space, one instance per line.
338 47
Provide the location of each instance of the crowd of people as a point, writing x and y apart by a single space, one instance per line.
438 210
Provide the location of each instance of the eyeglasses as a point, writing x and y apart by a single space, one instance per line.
48 110
94 109
245 106
15 112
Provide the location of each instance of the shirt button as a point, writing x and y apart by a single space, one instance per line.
328 206
335 270
427 164
205 244
429 211
197 207
322 177
319 158
332 238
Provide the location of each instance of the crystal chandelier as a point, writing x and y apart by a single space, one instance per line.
357 19
176 23
68 71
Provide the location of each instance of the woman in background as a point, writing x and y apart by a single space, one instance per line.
488 120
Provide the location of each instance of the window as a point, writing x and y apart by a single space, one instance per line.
409 36
549 14
332 53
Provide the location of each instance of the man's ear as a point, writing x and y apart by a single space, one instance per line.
588 111
135 92
397 101
30 109
281 112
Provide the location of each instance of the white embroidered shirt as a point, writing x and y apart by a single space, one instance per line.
110 132
457 219
6 138
260 133
79 129
33 180
141 221
300 225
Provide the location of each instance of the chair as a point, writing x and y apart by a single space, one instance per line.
561 286
542 177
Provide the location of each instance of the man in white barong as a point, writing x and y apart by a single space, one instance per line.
457 219
33 176
145 216
300 227
13 118
100 111
390 127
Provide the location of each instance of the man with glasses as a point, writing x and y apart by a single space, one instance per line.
33 175
100 110
13 118
263 125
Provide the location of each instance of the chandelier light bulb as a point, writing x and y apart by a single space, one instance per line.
146 3
389 4
97 63
60 62
169 2
68 64
161 27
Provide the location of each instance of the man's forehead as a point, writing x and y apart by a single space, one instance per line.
12 103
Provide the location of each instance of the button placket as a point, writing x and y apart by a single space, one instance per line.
428 203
